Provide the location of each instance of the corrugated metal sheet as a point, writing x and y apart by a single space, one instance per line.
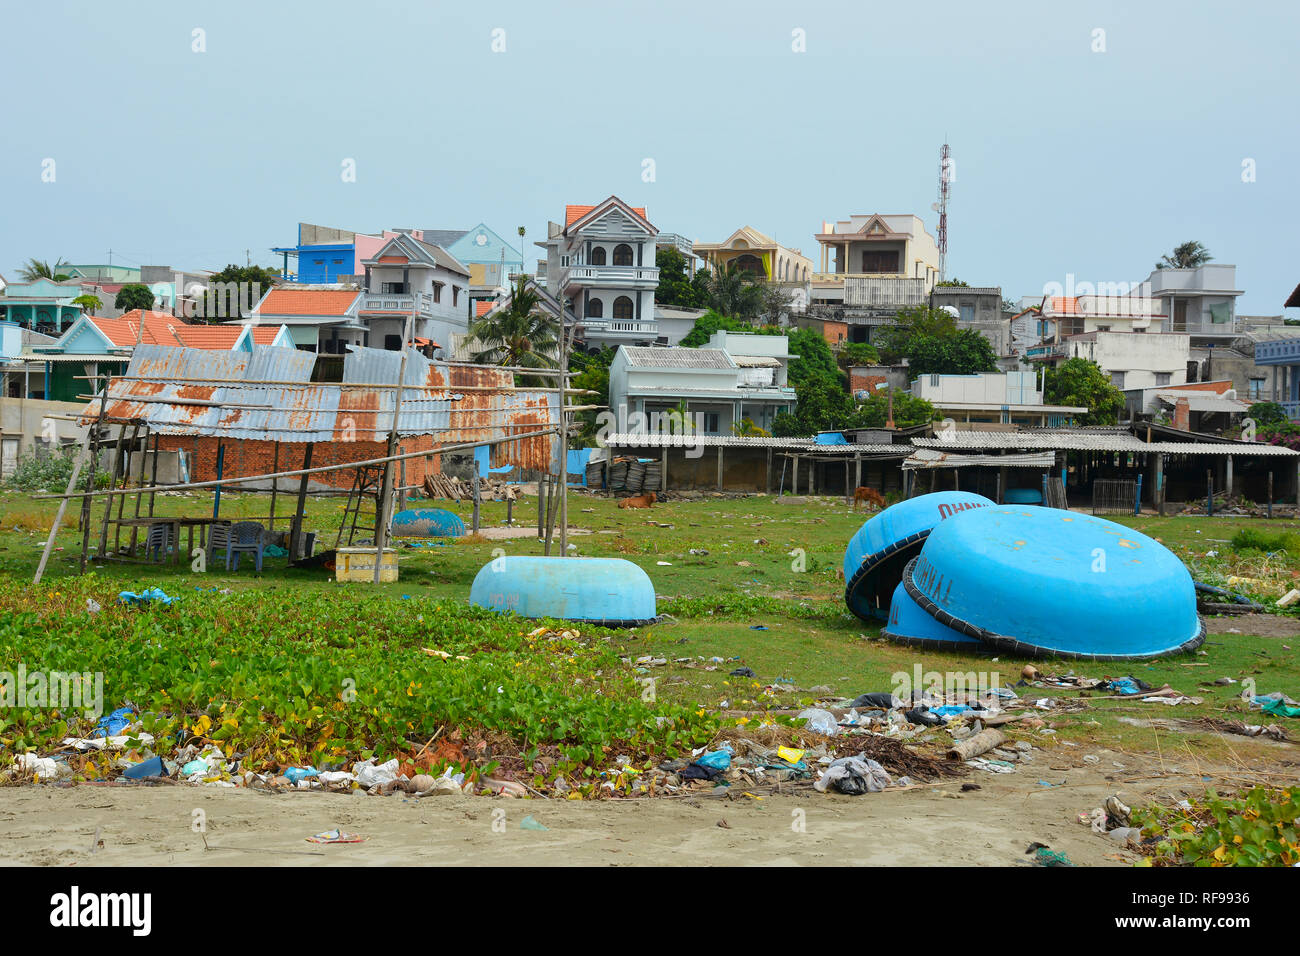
929 458
1103 442
269 396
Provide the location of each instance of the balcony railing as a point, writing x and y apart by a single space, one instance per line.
620 326
419 303
1232 327
612 275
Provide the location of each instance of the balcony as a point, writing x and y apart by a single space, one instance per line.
605 328
617 276
1232 327
404 303
864 291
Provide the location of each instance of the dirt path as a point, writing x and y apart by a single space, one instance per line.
935 825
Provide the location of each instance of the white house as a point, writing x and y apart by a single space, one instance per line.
1200 302
1007 398
1133 360
409 277
602 261
735 376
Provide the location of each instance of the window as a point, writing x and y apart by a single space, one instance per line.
711 422
597 255
622 254
564 260
393 342
455 295
623 307
595 309
392 288
1256 388
1117 379
437 291
878 261
749 264
1162 378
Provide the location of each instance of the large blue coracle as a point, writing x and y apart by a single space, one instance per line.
427 523
908 624
1046 582
877 554
607 591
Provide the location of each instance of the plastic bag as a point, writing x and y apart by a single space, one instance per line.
820 721
854 776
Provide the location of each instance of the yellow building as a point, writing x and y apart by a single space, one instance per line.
887 258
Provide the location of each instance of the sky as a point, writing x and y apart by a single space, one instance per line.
1088 138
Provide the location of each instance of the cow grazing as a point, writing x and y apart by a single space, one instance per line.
870 495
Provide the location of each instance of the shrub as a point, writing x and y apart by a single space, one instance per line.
1257 828
1251 539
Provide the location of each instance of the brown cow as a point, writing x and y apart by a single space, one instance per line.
640 501
870 495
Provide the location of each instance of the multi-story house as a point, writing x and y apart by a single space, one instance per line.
407 277
1200 302
601 261
1132 360
764 258
736 376
1005 398
492 261
42 305
978 308
872 266
1075 315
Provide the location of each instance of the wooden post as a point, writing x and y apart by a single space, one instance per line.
1270 494
663 469
476 498
719 466
794 474
126 473
768 487
1160 484
295 526
383 506
63 507
275 483
1209 492
541 507
1227 475
108 499
401 482
857 473
139 498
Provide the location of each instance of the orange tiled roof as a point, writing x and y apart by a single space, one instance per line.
573 213
482 307
124 332
1217 387
308 301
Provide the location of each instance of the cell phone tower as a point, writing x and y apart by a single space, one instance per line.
941 207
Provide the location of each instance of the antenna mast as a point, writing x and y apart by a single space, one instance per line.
945 183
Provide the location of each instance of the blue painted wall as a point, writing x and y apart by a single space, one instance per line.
326 263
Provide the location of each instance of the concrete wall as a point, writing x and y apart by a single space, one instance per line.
28 420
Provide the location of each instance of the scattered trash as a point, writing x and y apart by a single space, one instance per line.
528 823
854 776
336 836
146 597
820 721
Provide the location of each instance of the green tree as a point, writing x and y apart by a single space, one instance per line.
815 362
134 295
675 286
908 410
90 304
592 374
232 287
822 406
710 322
954 283
734 293
856 354
964 353
519 334
1081 382
41 269
1267 413
1186 255
894 342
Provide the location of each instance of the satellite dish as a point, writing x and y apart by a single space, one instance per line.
934 206
951 310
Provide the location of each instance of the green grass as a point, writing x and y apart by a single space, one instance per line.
767 564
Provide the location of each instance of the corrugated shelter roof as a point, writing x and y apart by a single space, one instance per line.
644 357
662 440
1202 401
269 395
1093 441
930 458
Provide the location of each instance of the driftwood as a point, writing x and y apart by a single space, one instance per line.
980 743
458 489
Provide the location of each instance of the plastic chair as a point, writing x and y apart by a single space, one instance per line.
218 539
245 538
158 541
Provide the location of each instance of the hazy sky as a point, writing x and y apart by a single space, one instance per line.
1067 160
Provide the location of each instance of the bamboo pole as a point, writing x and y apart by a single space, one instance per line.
384 504
58 517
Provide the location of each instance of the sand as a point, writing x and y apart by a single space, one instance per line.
932 825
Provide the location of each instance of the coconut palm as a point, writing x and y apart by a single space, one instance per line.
734 293
518 334
41 269
1187 255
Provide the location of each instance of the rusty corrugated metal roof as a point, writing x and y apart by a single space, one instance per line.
269 396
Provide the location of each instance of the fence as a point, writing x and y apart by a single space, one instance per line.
1114 496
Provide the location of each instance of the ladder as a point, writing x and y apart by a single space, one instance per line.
365 486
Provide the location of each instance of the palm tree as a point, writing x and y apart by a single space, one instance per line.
734 293
40 269
1187 255
519 334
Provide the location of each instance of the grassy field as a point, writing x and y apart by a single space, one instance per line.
757 563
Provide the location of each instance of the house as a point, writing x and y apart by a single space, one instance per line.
1198 406
1200 302
96 346
118 275
1004 398
407 277
601 262
671 240
872 266
322 255
978 308
321 319
43 305
1132 360
736 376
763 258
492 261
1075 315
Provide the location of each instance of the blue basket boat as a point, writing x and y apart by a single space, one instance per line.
877 554
908 624
610 592
427 523
1042 582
